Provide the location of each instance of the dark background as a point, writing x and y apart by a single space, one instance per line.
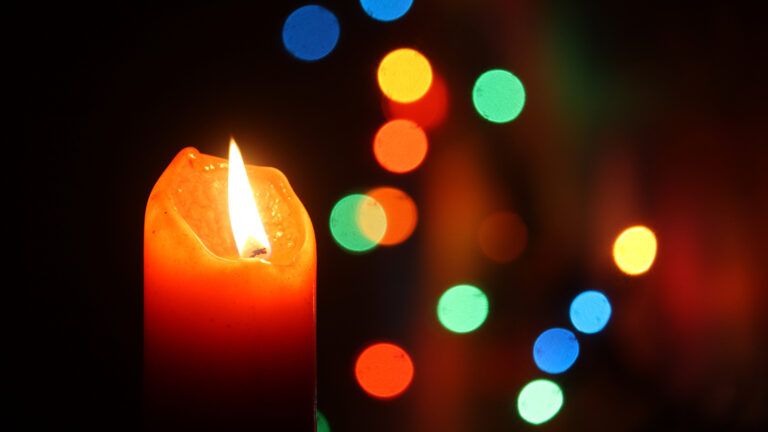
672 97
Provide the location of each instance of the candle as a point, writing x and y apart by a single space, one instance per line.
229 298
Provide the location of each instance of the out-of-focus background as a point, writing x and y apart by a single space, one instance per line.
635 114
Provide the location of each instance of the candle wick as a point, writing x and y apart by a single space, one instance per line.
257 252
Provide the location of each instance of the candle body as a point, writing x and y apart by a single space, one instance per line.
229 343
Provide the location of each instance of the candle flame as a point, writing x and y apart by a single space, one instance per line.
250 236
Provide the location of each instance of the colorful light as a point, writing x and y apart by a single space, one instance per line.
310 32
555 350
322 423
502 236
358 222
400 146
590 311
384 370
462 308
539 401
401 213
428 112
404 75
498 96
635 250
386 10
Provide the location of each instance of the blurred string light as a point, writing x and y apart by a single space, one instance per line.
498 96
502 236
590 311
400 211
384 370
310 32
539 401
429 111
462 308
555 350
358 222
635 250
386 10
404 75
400 146
322 423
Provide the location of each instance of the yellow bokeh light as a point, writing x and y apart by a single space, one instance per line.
371 219
634 250
404 75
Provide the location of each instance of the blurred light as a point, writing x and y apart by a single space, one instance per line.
502 236
400 211
428 112
555 350
404 75
322 423
498 96
384 370
358 222
310 32
634 250
462 308
400 146
386 10
590 311
539 401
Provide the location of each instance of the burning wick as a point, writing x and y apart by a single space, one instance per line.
247 228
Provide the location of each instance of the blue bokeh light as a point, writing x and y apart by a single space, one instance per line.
310 32
386 10
590 311
555 350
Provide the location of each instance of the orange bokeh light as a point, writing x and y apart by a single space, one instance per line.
401 212
502 236
400 146
384 370
428 112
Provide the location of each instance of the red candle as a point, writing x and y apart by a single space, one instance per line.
229 298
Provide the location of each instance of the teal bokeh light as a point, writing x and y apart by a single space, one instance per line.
462 308
498 96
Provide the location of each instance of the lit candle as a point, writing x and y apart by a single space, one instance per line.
229 298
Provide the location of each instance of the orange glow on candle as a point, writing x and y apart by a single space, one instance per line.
229 341
247 228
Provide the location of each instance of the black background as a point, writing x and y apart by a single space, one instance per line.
109 94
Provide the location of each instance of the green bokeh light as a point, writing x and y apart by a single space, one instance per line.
462 308
539 401
498 96
322 423
354 218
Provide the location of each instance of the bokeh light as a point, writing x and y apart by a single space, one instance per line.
555 350
386 10
634 250
462 308
590 311
539 401
502 236
358 222
498 96
384 370
310 32
428 112
404 75
322 423
400 211
400 146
